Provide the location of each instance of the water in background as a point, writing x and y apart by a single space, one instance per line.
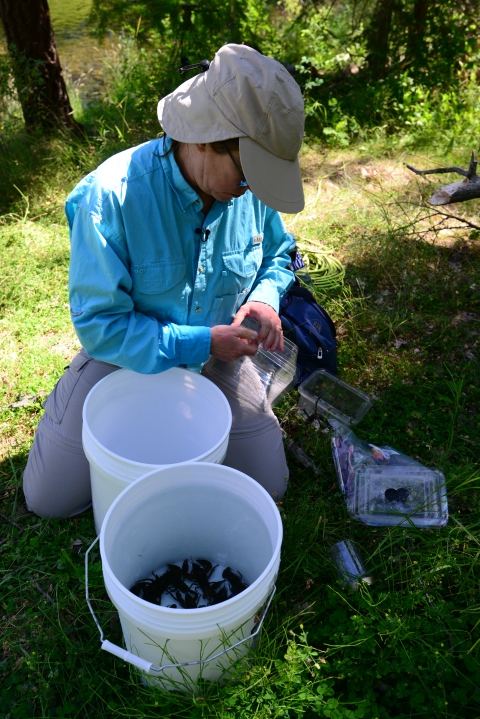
81 55
69 18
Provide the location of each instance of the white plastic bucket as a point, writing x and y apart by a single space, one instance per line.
197 510
133 423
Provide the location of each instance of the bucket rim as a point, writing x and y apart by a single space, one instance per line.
118 457
199 611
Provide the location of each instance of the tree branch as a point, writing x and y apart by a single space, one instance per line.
438 171
450 216
460 219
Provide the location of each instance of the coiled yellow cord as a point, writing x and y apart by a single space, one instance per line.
324 269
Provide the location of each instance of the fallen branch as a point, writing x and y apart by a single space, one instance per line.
467 189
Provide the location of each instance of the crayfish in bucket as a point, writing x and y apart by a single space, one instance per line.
190 584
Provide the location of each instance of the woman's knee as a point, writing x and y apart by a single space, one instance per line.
56 480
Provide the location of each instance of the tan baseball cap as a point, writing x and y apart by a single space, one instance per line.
247 95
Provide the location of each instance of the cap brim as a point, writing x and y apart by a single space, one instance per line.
276 182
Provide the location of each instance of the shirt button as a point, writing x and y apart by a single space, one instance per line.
198 309
200 269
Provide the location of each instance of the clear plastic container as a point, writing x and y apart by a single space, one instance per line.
393 495
349 564
323 393
276 369
261 380
382 486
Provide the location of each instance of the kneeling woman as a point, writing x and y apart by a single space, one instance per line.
173 244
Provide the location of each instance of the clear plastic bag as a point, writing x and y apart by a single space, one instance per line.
384 487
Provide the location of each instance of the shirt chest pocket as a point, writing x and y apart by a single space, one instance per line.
158 277
241 269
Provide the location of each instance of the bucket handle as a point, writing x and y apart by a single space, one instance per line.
142 663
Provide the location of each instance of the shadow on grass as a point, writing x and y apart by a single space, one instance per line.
24 157
408 324
11 483
11 469
36 163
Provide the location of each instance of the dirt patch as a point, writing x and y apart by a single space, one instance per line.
64 344
339 184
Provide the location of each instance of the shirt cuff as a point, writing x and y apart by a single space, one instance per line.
267 294
194 344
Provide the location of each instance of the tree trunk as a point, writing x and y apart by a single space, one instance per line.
36 67
416 31
377 36
233 23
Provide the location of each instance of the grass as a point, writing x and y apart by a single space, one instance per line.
408 327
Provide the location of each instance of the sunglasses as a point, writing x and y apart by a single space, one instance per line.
243 182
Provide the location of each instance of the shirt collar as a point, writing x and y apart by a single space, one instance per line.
185 194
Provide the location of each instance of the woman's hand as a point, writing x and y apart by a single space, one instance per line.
229 342
271 326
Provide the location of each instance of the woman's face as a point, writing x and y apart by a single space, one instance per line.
209 173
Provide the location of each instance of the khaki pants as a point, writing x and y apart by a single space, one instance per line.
56 480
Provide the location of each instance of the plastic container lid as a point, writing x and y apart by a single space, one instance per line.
323 393
273 359
389 496
261 380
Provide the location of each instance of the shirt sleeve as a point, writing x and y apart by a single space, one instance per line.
273 278
105 320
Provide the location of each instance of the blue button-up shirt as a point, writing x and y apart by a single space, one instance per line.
150 274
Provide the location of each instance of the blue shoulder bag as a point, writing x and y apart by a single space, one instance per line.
310 326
